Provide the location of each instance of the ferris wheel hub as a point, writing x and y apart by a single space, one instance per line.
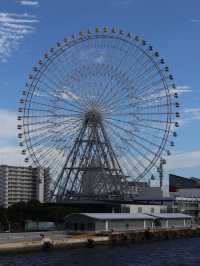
93 117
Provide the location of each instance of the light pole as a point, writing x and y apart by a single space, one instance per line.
160 170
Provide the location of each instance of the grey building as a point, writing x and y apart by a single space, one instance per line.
23 184
124 221
108 221
186 194
167 220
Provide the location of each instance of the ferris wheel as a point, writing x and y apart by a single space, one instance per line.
98 111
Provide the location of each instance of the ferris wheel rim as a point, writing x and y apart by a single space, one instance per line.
58 52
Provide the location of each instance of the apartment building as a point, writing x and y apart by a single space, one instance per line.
23 184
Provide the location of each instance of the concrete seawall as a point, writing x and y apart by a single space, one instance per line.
113 238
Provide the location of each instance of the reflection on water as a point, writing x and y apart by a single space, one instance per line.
182 252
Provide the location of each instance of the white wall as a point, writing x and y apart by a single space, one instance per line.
141 208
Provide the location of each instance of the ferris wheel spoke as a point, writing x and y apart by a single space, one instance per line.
131 144
46 127
53 95
117 101
137 61
162 129
47 145
48 153
147 87
138 136
127 114
42 140
124 150
149 74
52 106
141 120
145 69
44 116
52 112
143 100
49 80
164 105
110 80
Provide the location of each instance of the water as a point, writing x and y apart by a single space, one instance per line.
182 252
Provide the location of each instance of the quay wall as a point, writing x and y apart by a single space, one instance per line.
113 238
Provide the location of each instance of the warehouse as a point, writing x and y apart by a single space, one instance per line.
124 221
167 220
108 221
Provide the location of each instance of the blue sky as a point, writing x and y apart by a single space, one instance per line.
28 28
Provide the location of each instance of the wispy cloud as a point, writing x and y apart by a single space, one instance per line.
184 160
183 89
29 3
9 129
195 20
193 113
13 29
10 153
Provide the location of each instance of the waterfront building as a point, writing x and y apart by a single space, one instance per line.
170 220
186 194
23 184
107 221
142 208
125 221
179 182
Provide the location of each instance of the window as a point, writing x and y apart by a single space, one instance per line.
126 209
152 210
139 209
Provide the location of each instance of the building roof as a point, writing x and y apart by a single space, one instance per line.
171 215
152 194
177 182
188 193
132 216
116 216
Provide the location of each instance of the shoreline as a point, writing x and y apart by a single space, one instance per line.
111 239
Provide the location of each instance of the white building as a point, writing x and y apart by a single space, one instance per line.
125 221
142 208
23 184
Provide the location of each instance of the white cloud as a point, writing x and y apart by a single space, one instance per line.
8 122
13 29
192 113
29 3
184 160
11 155
10 152
66 94
183 89
195 20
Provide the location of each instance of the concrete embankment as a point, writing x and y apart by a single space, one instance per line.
31 246
153 235
113 238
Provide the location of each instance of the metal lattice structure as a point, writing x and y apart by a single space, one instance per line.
98 111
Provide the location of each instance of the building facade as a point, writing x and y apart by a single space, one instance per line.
23 184
125 221
141 208
186 193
